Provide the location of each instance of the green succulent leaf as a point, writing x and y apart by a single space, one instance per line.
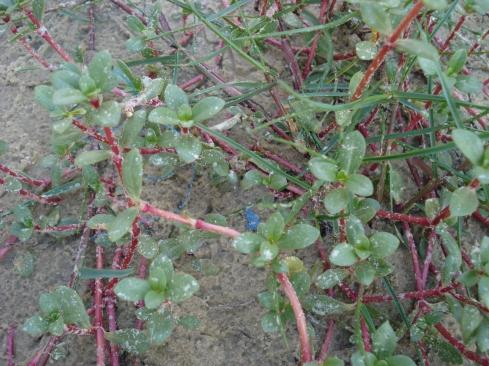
400 360
343 255
271 322
182 287
365 273
352 152
188 148
376 17
331 278
470 144
100 69
153 299
72 307
384 340
337 200
273 228
323 170
418 48
92 157
207 108
383 244
35 326
247 243
122 223
132 173
463 202
299 236
108 115
132 289
175 97
164 116
68 96
160 327
132 340
360 185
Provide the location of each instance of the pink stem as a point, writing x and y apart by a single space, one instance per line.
323 354
388 45
365 336
300 318
32 196
414 256
10 349
100 349
44 33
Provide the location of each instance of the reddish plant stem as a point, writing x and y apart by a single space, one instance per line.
91 27
323 353
300 318
285 163
429 256
192 82
99 334
194 223
10 347
314 45
111 312
130 10
42 183
388 45
35 197
9 244
142 273
42 357
135 231
414 256
117 157
410 219
469 301
454 31
44 33
479 217
365 336
342 228
23 41
413 295
460 346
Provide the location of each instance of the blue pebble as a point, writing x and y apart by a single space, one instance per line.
252 219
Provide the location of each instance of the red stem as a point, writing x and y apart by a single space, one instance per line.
300 318
44 33
414 256
365 336
111 312
457 27
314 45
100 339
10 348
35 197
42 183
323 353
413 295
388 45
410 219
460 346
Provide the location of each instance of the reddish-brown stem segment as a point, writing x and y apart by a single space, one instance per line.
42 183
460 346
44 33
414 256
10 348
388 45
323 353
300 318
195 223
410 219
365 336
32 196
99 334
